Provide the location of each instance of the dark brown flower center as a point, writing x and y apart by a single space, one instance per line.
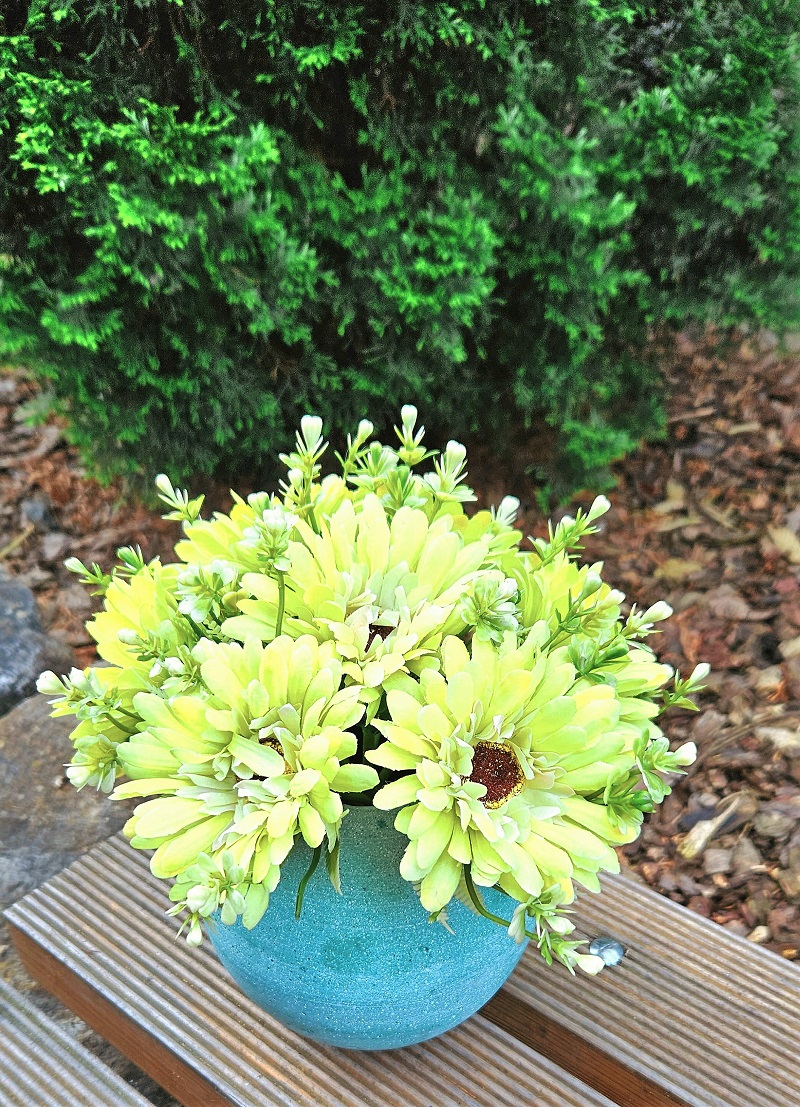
376 631
495 765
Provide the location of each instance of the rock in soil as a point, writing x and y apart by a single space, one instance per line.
44 826
25 651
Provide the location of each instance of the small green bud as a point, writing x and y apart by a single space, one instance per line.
592 583
270 536
489 606
184 509
128 636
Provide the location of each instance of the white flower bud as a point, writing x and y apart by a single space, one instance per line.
164 485
516 927
657 613
700 673
592 583
455 454
590 964
599 507
49 684
196 898
506 513
195 935
685 754
311 428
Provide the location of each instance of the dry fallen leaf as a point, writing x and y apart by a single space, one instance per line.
677 570
790 649
691 638
786 543
675 499
783 739
735 809
725 602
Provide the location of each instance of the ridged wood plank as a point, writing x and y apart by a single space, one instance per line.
42 1066
96 936
710 1017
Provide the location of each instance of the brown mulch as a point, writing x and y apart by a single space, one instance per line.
708 518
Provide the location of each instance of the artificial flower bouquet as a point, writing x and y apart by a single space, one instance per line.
360 639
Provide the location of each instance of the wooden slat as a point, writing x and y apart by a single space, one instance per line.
41 1066
711 1018
96 936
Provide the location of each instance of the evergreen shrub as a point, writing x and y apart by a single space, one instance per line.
214 217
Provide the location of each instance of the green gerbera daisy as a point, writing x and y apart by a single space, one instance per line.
493 754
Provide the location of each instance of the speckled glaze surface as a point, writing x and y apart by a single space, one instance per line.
366 970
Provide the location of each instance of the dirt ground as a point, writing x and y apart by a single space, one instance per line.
708 518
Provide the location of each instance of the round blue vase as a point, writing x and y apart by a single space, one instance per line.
365 969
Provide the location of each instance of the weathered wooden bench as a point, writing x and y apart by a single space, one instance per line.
692 1016
41 1064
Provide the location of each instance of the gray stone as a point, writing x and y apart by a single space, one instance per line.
55 546
717 861
789 881
24 656
17 607
39 511
771 824
77 601
792 858
44 824
25 651
34 577
746 858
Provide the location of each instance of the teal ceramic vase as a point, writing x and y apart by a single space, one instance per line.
365 969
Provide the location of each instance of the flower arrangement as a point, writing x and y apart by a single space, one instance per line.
359 639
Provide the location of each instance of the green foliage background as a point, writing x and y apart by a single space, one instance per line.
216 216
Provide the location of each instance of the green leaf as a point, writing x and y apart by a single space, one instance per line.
355 778
262 760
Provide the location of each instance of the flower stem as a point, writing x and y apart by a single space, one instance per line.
477 901
301 890
482 909
127 714
281 603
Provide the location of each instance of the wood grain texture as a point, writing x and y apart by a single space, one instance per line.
97 937
710 1018
42 1066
